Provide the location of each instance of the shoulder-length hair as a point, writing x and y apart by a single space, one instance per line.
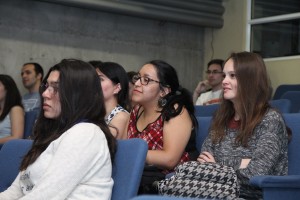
253 89
117 74
81 99
12 98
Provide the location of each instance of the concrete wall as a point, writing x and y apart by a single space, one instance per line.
46 33
219 43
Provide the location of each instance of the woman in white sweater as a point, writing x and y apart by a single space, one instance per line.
72 152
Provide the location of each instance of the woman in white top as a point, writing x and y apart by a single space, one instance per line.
114 83
73 147
11 110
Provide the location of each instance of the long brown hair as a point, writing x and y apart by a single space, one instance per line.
253 89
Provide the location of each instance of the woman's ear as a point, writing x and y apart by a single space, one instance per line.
117 88
164 91
39 76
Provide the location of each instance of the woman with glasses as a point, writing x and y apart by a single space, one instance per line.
246 133
114 84
11 110
164 118
209 91
72 151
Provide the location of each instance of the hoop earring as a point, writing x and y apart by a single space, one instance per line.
162 102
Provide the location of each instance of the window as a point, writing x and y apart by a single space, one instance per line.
275 28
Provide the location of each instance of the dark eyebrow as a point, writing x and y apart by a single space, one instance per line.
26 71
53 82
146 75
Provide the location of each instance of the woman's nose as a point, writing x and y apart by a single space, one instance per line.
46 94
225 80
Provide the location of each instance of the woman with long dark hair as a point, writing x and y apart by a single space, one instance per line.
114 83
72 152
11 110
163 117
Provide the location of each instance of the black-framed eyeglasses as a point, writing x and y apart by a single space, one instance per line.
52 88
144 80
213 72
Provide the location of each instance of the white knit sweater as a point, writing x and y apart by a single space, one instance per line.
76 166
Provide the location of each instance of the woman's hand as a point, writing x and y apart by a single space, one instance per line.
202 87
206 157
244 163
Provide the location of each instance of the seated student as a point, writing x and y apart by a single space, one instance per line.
72 152
11 110
164 117
209 91
114 83
32 76
246 133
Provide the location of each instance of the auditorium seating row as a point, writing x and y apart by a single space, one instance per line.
290 103
131 155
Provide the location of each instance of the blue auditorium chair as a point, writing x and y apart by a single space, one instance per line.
11 156
30 118
284 187
205 111
128 168
294 97
203 130
281 89
283 105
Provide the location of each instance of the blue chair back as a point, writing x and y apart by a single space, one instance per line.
128 168
292 120
205 111
11 156
281 89
294 97
30 118
284 187
203 130
283 105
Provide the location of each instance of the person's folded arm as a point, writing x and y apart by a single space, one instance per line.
272 142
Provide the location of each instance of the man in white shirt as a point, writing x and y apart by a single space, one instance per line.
209 91
32 76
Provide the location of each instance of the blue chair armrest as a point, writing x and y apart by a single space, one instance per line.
289 181
278 187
